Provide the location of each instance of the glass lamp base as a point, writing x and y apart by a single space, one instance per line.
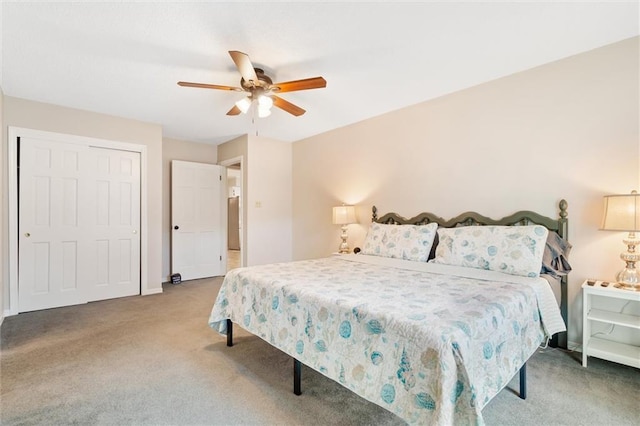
628 279
344 247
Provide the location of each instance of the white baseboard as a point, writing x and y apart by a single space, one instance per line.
150 291
9 313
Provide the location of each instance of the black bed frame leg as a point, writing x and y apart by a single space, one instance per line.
229 333
559 340
297 375
523 381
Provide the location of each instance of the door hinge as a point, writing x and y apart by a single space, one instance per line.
220 258
220 178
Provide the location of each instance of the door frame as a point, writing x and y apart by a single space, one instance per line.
12 161
243 231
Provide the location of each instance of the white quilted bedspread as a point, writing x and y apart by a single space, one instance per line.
430 343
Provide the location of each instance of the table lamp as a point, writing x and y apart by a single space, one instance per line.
344 215
622 213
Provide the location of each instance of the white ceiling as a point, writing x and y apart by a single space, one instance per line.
124 58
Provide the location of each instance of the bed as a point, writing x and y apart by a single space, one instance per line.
417 322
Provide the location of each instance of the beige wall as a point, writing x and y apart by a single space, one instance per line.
267 197
40 116
269 203
568 129
4 273
3 229
173 149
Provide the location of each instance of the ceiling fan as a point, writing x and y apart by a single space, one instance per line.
261 88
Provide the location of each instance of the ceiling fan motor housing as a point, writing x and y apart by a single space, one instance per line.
264 81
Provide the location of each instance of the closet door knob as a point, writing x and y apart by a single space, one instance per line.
176 227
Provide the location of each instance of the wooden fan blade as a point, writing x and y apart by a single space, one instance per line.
234 111
208 86
287 106
244 65
306 84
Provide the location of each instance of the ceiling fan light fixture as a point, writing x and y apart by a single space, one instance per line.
265 102
263 112
244 104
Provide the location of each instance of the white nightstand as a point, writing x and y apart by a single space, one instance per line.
601 348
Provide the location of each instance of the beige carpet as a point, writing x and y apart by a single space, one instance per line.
153 360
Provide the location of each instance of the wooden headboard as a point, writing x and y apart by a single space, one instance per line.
559 225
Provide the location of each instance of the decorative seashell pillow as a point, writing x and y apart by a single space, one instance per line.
514 250
409 242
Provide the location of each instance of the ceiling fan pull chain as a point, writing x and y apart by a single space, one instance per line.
253 120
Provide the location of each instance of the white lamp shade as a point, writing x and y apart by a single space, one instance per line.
343 215
621 212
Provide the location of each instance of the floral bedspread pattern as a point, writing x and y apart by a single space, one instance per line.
429 347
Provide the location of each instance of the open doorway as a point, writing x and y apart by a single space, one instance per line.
234 216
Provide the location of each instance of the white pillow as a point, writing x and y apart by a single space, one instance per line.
514 250
410 242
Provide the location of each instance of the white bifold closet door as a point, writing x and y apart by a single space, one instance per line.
79 224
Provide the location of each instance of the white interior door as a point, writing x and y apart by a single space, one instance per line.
115 217
197 220
52 236
79 218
